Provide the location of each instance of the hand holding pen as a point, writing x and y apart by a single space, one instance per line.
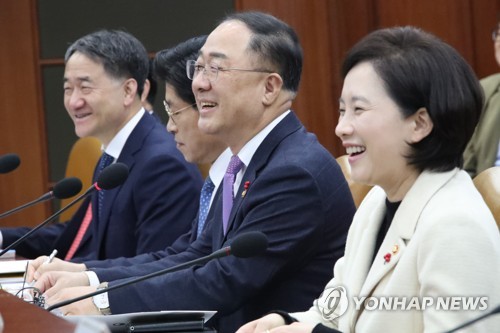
51 257
32 273
45 264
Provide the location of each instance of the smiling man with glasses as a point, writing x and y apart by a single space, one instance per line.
211 71
104 78
289 187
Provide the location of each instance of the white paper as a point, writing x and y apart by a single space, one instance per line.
13 266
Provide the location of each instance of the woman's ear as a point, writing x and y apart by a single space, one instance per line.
272 86
422 125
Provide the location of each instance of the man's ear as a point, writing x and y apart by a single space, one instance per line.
130 89
421 125
145 91
272 86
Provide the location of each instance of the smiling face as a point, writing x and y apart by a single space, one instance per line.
98 104
230 107
196 146
374 133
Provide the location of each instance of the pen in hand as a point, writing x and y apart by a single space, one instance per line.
51 257
47 261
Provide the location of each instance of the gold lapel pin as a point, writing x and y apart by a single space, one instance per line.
245 186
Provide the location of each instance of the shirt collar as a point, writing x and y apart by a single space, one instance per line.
116 144
246 153
218 168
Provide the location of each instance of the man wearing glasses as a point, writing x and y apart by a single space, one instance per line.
483 150
104 77
286 185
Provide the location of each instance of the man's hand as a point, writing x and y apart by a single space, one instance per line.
39 266
83 307
51 283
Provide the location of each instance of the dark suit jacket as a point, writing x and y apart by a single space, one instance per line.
299 198
147 213
181 244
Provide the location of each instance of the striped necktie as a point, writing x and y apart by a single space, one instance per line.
235 165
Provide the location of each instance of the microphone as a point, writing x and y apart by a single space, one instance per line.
111 177
245 245
472 321
9 162
65 188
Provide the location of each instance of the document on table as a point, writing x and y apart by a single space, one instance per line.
13 266
11 275
12 284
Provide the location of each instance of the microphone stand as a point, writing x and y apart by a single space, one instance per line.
56 214
44 197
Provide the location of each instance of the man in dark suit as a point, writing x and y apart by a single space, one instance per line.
288 186
196 147
104 76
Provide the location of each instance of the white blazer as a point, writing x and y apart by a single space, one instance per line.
443 241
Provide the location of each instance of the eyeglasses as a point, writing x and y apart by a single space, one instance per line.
175 113
211 72
495 33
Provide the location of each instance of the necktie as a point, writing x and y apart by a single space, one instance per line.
233 168
205 196
105 161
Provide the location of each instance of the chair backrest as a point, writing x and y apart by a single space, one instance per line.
81 163
358 190
488 184
204 169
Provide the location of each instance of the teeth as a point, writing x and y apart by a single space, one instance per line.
354 150
207 104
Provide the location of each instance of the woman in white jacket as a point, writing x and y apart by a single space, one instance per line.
423 251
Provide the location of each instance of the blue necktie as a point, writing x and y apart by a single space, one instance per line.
205 196
235 165
105 161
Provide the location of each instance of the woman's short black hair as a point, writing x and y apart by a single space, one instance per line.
421 71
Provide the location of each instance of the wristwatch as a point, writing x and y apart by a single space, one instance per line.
101 301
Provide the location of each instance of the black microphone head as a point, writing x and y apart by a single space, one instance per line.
9 162
112 176
249 244
67 188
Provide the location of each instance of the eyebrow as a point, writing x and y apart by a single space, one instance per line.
217 55
80 79
355 98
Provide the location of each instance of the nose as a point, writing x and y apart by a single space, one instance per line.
200 82
344 126
171 126
74 100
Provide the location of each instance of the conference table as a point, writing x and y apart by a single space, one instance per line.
20 316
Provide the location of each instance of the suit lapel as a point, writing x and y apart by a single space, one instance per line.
402 227
287 126
133 144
